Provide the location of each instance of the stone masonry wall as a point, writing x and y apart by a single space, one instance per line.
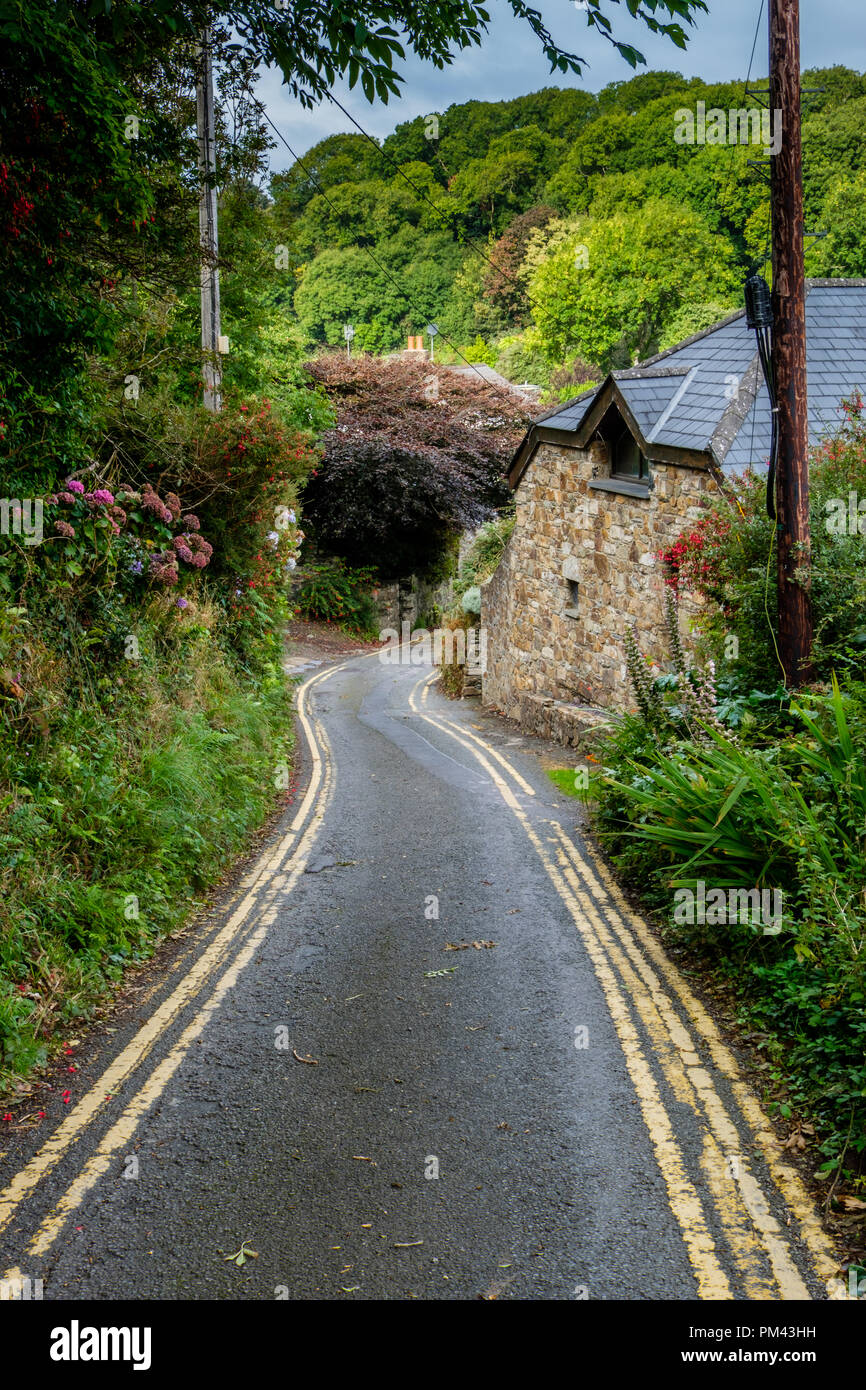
608 543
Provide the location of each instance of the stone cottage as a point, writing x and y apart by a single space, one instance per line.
607 481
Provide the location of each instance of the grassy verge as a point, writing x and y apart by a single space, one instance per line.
123 797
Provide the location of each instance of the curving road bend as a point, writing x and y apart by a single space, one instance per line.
426 1051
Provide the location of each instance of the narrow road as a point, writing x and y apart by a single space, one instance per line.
545 1112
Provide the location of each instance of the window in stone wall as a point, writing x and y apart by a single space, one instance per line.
626 459
622 466
571 575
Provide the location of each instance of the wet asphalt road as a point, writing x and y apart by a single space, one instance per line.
446 1138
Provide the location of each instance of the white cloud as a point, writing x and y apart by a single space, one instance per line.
510 63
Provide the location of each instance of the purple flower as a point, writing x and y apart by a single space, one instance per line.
74 485
182 603
64 529
103 497
67 497
163 569
191 522
136 567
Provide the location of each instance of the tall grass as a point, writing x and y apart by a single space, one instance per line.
118 816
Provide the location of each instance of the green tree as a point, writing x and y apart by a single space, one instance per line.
843 251
610 289
335 160
488 192
832 141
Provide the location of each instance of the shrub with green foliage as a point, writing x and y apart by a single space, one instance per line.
485 552
335 593
129 779
680 802
728 557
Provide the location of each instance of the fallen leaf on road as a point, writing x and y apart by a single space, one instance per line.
240 1256
431 974
310 1061
406 1244
464 946
361 1158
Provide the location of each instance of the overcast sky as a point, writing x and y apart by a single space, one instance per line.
510 63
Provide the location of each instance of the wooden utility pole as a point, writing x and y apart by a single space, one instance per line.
789 348
207 223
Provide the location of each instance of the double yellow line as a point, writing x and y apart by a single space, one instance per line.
273 876
640 985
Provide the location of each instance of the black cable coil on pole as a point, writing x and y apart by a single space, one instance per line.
759 318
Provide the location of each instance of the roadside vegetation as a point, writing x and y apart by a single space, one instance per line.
147 544
722 780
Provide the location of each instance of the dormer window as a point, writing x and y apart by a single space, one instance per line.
626 459
619 463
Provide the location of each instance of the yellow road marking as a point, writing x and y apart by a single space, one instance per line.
677 1053
521 782
691 1083
142 1044
682 1196
786 1178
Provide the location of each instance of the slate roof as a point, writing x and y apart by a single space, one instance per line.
683 399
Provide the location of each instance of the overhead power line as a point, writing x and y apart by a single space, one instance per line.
421 193
527 419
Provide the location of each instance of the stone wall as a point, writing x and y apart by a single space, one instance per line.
539 642
411 601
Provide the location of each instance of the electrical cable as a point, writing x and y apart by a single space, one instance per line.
526 419
440 211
